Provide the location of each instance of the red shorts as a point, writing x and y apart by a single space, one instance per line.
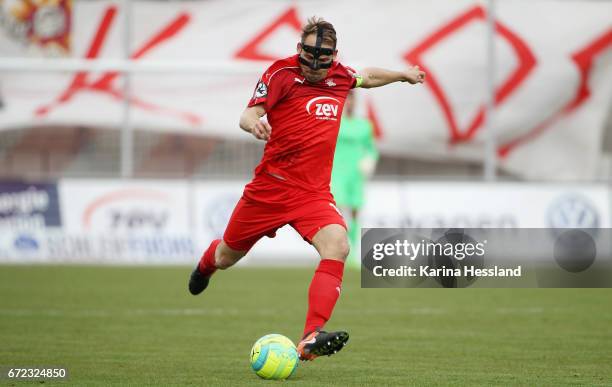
253 219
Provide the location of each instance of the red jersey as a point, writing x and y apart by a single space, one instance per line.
305 119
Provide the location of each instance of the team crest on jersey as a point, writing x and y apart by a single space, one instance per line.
323 108
261 90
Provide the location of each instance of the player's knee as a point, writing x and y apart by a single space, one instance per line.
337 248
344 248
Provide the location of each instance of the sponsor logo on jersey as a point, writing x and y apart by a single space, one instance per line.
330 83
323 108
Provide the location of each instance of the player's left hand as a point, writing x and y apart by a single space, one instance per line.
414 75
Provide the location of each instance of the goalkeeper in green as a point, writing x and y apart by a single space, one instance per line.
354 162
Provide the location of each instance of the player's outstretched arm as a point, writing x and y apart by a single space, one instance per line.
250 121
376 77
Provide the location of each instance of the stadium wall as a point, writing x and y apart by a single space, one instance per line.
171 222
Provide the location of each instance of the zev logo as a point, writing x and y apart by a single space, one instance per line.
129 209
324 108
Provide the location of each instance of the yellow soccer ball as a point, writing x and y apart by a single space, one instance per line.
274 356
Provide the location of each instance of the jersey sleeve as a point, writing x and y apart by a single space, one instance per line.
357 78
270 89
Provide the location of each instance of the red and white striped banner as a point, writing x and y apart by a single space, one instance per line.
553 81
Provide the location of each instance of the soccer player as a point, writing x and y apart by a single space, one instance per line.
354 163
302 97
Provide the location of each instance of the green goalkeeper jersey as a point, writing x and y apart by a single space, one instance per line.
355 143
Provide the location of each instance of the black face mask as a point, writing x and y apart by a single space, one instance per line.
316 51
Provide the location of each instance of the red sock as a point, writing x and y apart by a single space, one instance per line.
207 262
323 293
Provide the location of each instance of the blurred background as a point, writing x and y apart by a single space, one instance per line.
119 137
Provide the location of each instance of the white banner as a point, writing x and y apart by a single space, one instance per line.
116 207
124 221
172 222
553 85
481 205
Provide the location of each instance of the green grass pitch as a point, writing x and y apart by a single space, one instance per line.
139 326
